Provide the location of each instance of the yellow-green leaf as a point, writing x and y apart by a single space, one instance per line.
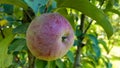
5 59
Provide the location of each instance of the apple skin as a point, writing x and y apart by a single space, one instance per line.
49 36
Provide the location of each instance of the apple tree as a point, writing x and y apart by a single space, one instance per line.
95 24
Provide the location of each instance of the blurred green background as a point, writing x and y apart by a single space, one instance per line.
96 25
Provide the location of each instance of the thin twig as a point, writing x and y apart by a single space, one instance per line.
2 34
47 5
88 27
28 15
45 10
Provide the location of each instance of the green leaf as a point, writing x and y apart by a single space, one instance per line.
19 3
87 63
117 2
21 29
40 63
51 64
104 45
36 4
71 20
113 11
95 46
17 45
60 64
6 32
90 10
8 9
101 2
77 42
107 62
93 58
109 65
97 51
3 51
93 39
78 33
110 4
70 56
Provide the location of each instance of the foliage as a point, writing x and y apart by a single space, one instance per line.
93 22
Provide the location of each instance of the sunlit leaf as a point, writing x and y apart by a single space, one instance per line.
95 46
87 8
6 32
107 62
3 51
70 55
113 11
93 57
104 45
3 22
88 63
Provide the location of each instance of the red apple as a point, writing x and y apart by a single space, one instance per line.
49 36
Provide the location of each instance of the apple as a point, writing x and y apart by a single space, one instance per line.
49 36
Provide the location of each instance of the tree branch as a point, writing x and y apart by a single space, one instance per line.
82 22
80 44
78 51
